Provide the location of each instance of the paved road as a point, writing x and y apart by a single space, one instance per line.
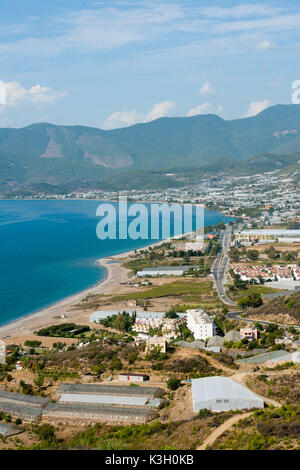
240 377
221 266
236 316
219 272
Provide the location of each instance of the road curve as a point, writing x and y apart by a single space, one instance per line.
239 378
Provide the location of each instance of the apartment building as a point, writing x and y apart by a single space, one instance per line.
200 324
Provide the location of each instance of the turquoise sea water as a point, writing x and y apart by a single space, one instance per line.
48 251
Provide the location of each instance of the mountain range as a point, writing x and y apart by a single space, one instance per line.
44 155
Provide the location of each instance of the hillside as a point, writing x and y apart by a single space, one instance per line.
281 310
266 429
78 156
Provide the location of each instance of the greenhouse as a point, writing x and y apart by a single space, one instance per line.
222 394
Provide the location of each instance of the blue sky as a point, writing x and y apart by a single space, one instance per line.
114 63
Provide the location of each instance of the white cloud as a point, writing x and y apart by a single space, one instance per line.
43 94
16 94
207 89
200 109
93 28
274 23
240 11
159 110
121 119
257 107
123 23
128 118
265 45
13 92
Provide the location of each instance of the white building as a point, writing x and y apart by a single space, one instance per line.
164 271
282 235
200 324
222 394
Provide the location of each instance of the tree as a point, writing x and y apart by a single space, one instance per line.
115 364
258 326
272 253
26 388
155 354
252 299
252 254
238 283
39 381
173 383
171 314
290 256
32 343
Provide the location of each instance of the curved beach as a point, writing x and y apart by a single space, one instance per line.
35 321
115 275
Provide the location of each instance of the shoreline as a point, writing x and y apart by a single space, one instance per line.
47 315
114 275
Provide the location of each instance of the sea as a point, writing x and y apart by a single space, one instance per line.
49 249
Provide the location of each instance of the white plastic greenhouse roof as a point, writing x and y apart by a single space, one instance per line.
213 388
105 399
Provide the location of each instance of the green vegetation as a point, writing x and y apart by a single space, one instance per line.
266 429
64 330
173 383
191 293
155 354
32 343
283 386
123 321
185 289
156 435
252 299
138 156
252 254
287 305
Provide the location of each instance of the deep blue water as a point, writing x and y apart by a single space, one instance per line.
48 251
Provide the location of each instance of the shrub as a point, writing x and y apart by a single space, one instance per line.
204 413
115 364
46 432
173 383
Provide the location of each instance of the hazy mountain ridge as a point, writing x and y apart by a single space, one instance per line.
49 154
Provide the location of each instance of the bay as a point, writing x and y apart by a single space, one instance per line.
49 249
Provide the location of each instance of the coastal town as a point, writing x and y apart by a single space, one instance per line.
173 338
149 231
272 198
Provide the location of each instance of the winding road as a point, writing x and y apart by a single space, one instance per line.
220 267
219 272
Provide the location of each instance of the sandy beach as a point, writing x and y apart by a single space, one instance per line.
115 274
24 327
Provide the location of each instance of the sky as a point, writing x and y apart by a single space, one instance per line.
111 64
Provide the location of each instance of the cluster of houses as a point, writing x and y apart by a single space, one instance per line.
267 236
268 273
169 327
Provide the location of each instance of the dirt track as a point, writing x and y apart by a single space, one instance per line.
221 429
239 377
